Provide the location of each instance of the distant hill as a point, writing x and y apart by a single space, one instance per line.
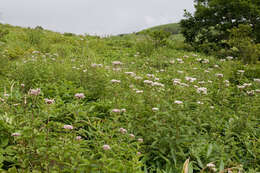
173 28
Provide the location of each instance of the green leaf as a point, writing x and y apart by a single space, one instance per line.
209 150
221 166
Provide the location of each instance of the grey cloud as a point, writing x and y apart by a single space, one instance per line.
93 16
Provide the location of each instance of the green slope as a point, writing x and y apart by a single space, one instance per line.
122 104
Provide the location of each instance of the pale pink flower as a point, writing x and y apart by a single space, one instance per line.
69 127
211 165
257 90
132 136
140 140
115 81
22 85
16 134
155 109
202 90
139 91
80 95
35 92
123 110
117 63
49 101
116 110
190 79
219 75
139 153
257 80
78 138
106 147
122 130
229 58
178 102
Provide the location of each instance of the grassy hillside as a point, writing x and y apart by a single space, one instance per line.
173 28
73 103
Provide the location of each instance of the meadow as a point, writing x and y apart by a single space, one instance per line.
123 104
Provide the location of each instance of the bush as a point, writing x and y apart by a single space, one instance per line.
242 45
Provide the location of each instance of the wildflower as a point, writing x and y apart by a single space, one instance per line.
212 107
148 82
138 78
122 130
80 95
179 71
257 90
84 71
240 71
190 79
140 140
157 84
216 66
241 86
117 63
211 165
123 110
132 136
155 109
35 92
247 84
178 102
200 103
78 138
219 75
139 153
229 58
115 81
116 110
184 84
185 56
22 85
156 79
172 62
16 134
201 82
206 71
251 93
106 147
130 73
6 95
69 127
176 81
205 61
257 80
49 101
202 90
139 91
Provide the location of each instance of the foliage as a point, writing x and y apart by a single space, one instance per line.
242 45
212 20
121 104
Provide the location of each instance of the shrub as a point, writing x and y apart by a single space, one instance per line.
242 45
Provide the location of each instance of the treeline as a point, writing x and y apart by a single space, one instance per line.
224 28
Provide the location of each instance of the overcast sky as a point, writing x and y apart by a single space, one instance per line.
99 17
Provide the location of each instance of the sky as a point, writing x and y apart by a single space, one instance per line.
95 17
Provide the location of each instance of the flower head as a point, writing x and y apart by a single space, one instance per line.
122 130
78 138
80 95
35 92
69 127
49 101
106 147
178 102
16 134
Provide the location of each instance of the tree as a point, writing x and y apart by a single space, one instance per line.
213 18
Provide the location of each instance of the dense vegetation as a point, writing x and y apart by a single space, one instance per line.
214 21
173 28
135 103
